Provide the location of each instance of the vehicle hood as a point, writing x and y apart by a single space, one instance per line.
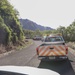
28 70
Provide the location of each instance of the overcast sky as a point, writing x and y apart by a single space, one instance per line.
52 13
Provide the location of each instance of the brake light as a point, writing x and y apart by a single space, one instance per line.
37 50
66 49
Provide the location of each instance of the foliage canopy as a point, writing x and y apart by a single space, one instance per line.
9 22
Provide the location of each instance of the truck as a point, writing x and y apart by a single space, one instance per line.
52 48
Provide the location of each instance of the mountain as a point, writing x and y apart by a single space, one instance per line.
30 25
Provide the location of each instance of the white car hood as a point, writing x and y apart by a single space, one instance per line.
28 70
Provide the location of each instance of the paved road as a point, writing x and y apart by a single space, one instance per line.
28 57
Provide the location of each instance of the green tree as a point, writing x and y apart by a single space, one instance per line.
62 30
71 32
6 31
38 33
11 21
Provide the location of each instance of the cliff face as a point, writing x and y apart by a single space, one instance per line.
10 28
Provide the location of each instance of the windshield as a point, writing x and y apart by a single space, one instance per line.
31 35
53 39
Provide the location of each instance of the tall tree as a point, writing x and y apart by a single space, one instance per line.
11 21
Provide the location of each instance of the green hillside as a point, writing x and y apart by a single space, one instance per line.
10 28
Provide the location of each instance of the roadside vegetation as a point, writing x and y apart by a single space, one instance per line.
29 34
10 28
11 32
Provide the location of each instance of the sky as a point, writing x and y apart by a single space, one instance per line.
52 13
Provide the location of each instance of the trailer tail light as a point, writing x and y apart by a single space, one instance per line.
66 49
37 50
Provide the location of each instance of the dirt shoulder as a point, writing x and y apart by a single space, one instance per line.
71 50
5 50
71 47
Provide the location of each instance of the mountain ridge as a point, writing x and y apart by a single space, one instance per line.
30 25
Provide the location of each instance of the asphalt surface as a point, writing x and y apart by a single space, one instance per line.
28 57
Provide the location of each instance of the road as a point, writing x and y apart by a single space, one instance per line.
28 57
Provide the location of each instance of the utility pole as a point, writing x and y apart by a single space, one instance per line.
62 33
